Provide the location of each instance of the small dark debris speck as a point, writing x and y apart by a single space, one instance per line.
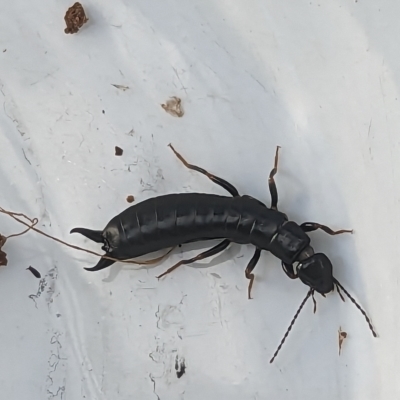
35 272
103 111
118 151
3 255
3 258
180 367
130 199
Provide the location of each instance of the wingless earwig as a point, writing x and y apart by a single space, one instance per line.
167 221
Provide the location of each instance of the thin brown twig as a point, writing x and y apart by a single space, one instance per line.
34 222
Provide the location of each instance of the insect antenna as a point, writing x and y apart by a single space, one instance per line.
314 301
338 285
310 293
340 293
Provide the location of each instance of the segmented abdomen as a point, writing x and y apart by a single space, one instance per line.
170 220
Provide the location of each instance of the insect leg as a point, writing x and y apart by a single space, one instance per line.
214 250
312 226
219 181
271 182
253 262
288 270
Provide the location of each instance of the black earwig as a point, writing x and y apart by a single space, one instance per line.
167 221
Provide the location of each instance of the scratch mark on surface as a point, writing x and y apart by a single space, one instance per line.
90 123
255 79
179 79
42 286
45 77
154 386
26 158
102 380
54 395
383 96
223 48
369 136
53 362
183 297
14 120
158 316
380 82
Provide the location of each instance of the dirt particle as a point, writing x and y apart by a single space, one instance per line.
121 87
130 199
35 272
3 258
342 337
75 18
118 151
173 107
3 255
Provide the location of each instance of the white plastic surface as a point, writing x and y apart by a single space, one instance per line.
320 79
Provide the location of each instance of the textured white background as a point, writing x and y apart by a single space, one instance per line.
319 79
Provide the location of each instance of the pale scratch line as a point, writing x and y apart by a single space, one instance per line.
380 82
223 48
179 79
50 74
26 158
383 97
252 76
154 386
